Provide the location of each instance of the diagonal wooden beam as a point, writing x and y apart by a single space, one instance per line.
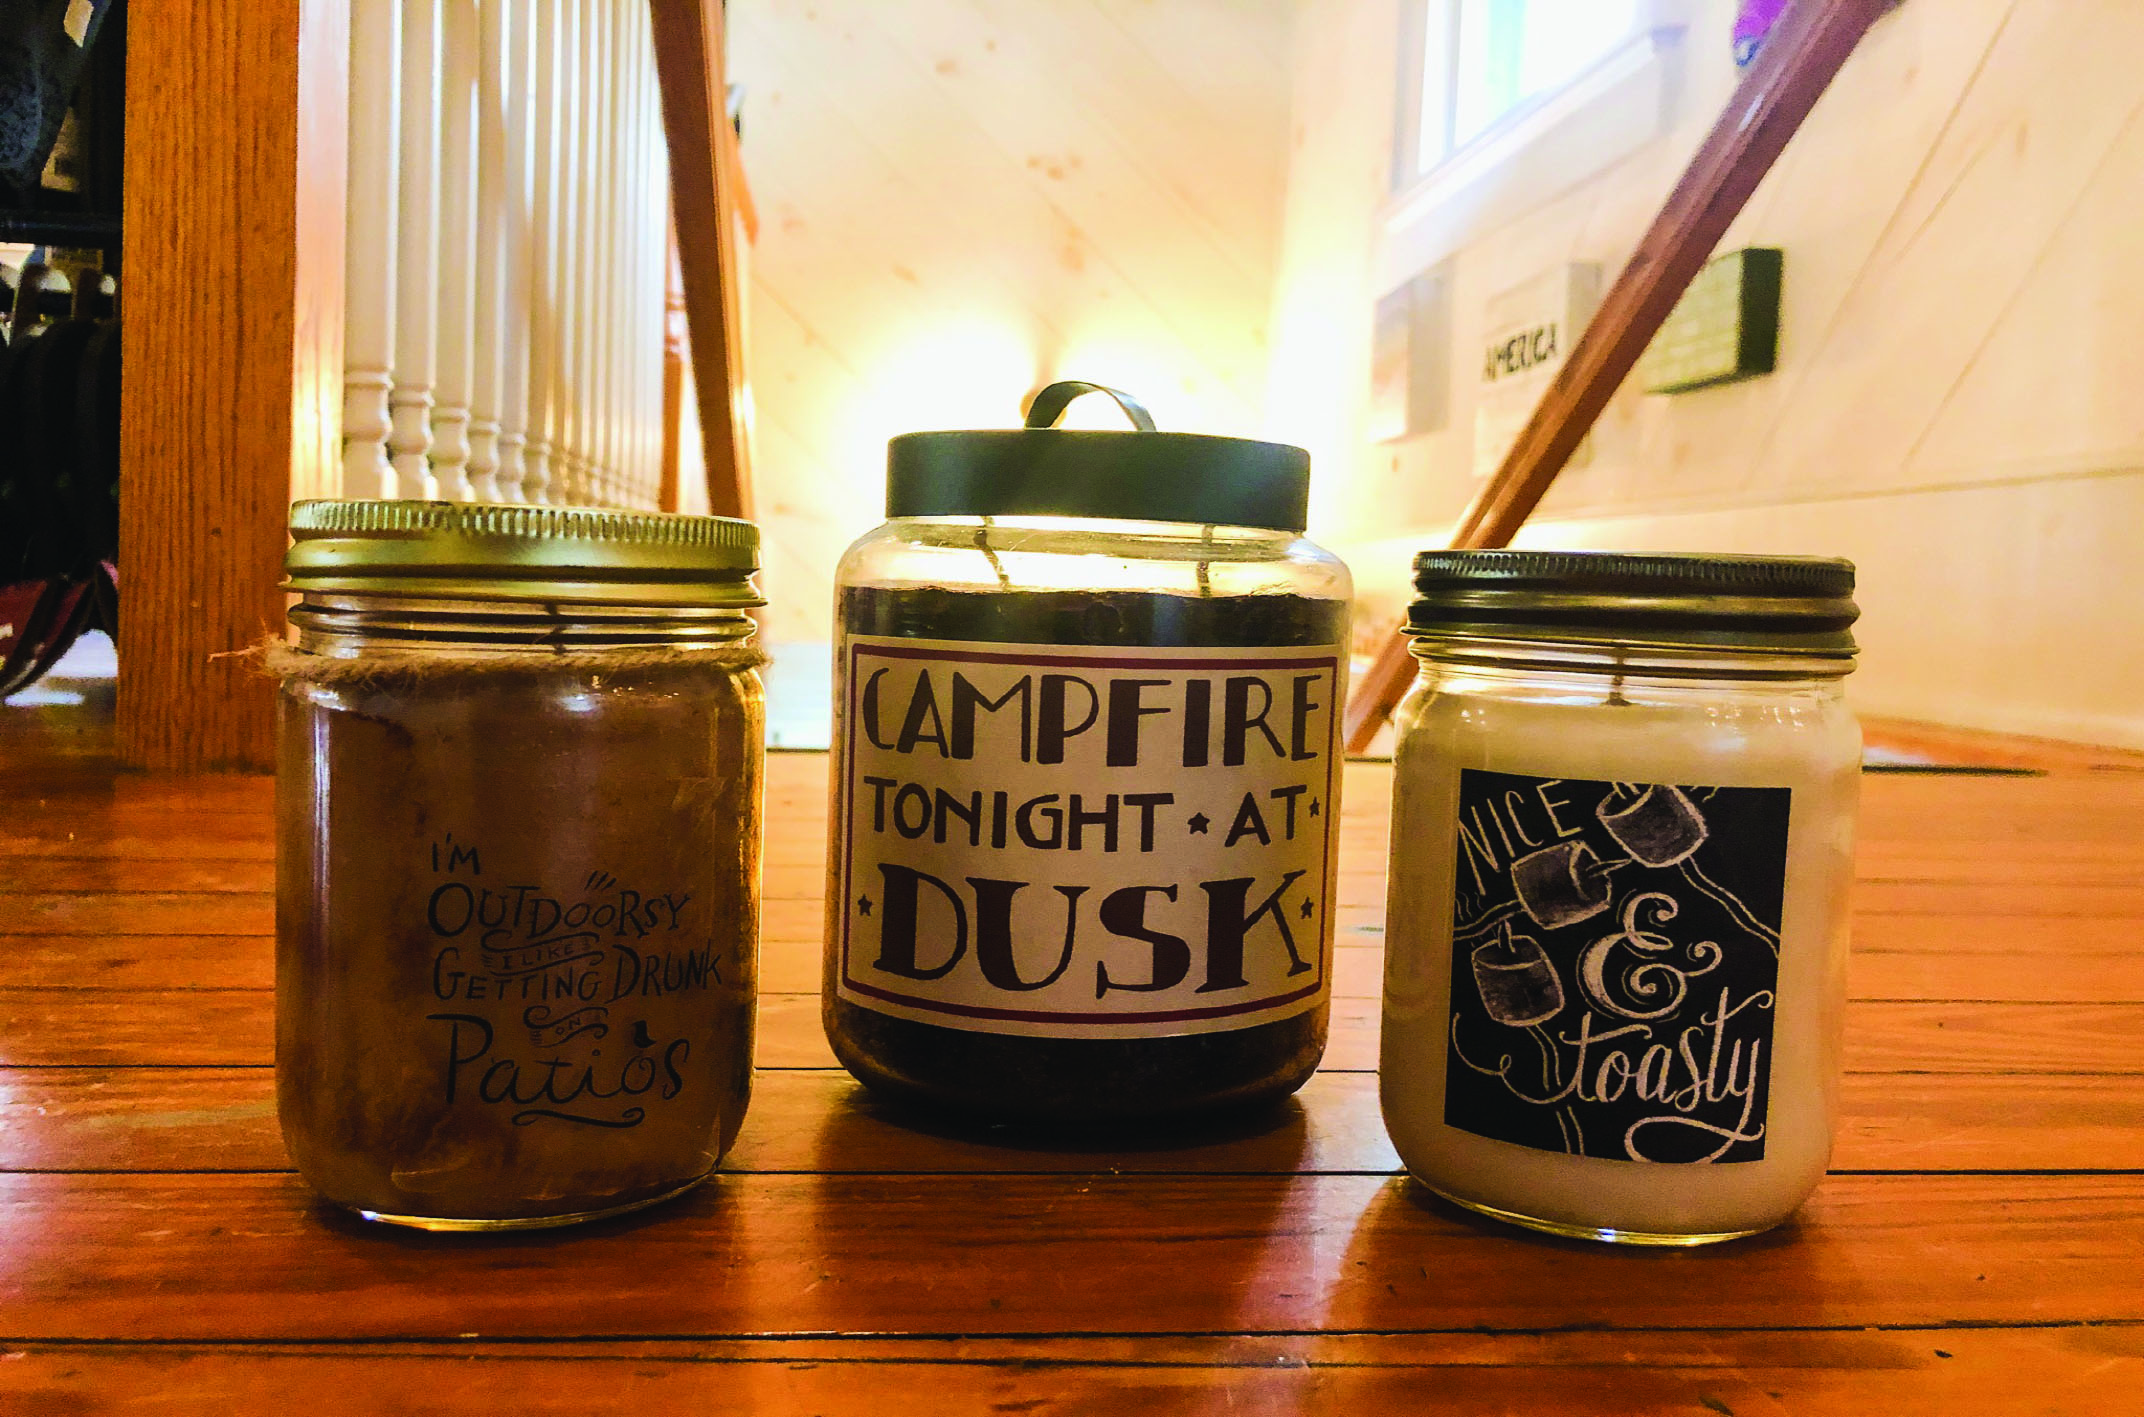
705 180
1790 73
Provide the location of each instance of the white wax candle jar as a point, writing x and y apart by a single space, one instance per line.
1622 843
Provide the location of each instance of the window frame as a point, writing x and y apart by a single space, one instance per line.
1546 145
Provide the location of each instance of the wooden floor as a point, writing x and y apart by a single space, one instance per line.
1980 1246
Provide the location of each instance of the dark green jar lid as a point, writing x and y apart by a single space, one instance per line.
1142 475
1799 605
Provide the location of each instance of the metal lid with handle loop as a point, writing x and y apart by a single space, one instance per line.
1136 475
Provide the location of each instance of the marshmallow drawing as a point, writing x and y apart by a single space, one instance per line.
1562 884
1517 980
1660 827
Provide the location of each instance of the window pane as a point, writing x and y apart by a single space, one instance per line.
1564 38
1434 138
1510 51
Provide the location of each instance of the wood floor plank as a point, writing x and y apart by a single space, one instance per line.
2097 863
137 913
2018 937
118 832
236 1028
190 1119
1985 1038
790 1034
2057 973
136 1027
1998 1028
2056 978
1938 743
97 875
1912 1373
165 1119
1980 1122
64 787
139 1119
206 1028
2062 920
137 962
2001 901
189 1257
165 896
219 913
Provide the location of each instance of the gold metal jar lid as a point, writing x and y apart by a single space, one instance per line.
481 551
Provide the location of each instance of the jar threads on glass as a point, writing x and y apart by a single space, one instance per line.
518 851
1616 937
1085 788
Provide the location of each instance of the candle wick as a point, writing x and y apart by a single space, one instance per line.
1205 566
982 544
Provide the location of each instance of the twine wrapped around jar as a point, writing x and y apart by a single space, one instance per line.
287 661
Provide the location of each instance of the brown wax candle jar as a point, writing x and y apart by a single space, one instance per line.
518 804
1085 783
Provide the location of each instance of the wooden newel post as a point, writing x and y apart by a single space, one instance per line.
231 336
1790 73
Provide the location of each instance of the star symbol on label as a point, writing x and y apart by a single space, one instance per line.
1313 806
863 904
1308 910
1198 824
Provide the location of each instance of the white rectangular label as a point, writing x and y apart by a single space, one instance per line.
1080 842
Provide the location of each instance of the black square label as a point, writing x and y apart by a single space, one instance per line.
1615 965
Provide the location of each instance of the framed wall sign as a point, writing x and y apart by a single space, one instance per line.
1527 333
1410 358
1725 327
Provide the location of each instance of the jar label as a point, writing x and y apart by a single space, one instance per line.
1615 965
593 1003
1075 842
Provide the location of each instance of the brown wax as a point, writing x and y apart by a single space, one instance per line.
517 924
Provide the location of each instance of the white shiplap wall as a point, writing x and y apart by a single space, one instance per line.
1962 342
962 200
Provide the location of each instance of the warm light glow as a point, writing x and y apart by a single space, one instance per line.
1155 374
964 371
1320 362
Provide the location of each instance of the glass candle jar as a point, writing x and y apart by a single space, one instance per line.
1085 785
1622 843
518 803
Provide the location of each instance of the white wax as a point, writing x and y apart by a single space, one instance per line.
1799 737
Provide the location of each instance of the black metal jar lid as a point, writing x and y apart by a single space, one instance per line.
1799 605
1142 475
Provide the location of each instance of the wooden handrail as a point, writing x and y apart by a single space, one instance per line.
704 185
1789 74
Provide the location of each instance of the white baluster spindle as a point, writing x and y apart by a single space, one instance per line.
516 227
487 271
369 255
416 252
539 480
459 50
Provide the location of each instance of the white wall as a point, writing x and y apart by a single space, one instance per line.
1960 399
961 201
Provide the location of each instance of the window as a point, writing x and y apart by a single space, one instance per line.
1482 60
